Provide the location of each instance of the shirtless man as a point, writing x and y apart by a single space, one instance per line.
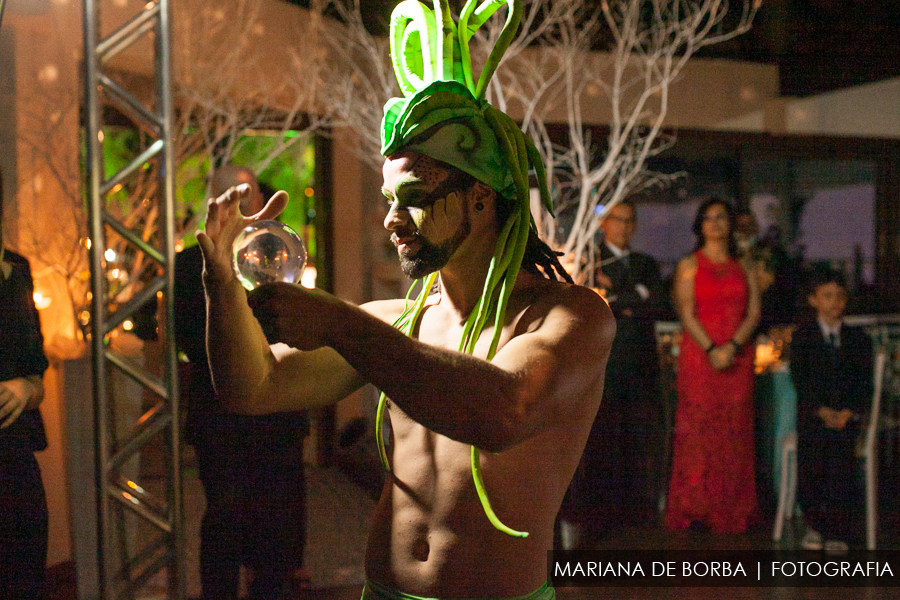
456 180
530 408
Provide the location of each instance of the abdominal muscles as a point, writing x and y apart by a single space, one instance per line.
430 536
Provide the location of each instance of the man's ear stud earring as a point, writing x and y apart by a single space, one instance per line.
479 206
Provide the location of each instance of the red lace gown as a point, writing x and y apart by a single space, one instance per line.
712 459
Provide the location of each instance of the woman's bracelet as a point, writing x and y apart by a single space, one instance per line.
711 347
737 347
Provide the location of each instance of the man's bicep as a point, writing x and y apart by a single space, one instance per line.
309 379
321 377
564 357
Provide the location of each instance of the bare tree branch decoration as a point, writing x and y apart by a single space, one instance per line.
546 75
358 74
653 40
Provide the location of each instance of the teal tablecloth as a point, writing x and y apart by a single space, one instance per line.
784 397
776 416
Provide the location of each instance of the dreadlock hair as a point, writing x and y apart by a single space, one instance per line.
541 259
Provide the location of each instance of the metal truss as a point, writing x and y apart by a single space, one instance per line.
140 539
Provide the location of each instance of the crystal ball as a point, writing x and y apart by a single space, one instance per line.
267 252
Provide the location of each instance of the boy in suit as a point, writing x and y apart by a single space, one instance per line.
831 365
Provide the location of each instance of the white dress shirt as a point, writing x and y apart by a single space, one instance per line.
831 330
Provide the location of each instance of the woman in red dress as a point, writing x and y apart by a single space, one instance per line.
712 478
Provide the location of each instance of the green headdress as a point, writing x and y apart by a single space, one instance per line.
444 115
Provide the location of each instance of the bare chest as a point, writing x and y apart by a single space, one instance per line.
444 329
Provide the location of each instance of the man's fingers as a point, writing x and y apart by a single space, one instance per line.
234 195
265 312
207 246
274 207
17 410
7 407
212 213
261 296
264 294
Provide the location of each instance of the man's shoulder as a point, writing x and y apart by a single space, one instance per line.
642 256
807 332
582 305
855 334
14 258
645 261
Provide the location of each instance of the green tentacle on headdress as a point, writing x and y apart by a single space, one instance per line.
443 114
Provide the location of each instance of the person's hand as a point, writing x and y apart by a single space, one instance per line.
299 317
224 223
842 417
14 396
721 357
834 419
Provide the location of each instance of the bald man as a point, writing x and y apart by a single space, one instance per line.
620 475
251 467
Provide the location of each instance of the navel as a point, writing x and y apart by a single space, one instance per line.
421 550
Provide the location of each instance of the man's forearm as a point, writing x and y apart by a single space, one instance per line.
239 355
451 393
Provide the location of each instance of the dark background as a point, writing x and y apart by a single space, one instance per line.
818 45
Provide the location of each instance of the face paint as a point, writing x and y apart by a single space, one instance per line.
429 193
419 173
444 114
433 256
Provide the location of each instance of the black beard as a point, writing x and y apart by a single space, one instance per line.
433 257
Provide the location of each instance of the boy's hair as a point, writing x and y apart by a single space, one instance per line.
824 276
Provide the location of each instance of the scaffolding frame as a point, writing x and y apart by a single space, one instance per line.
122 570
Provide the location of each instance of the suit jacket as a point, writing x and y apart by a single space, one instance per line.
634 347
823 377
21 350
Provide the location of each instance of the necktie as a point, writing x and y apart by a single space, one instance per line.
833 349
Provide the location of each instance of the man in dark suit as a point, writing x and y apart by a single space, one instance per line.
831 365
620 471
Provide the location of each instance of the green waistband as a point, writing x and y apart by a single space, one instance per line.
376 591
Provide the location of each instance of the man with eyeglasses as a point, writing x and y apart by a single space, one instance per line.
621 466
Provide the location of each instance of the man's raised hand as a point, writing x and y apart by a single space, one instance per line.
224 222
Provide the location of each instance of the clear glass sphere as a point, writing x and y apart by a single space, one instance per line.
266 252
